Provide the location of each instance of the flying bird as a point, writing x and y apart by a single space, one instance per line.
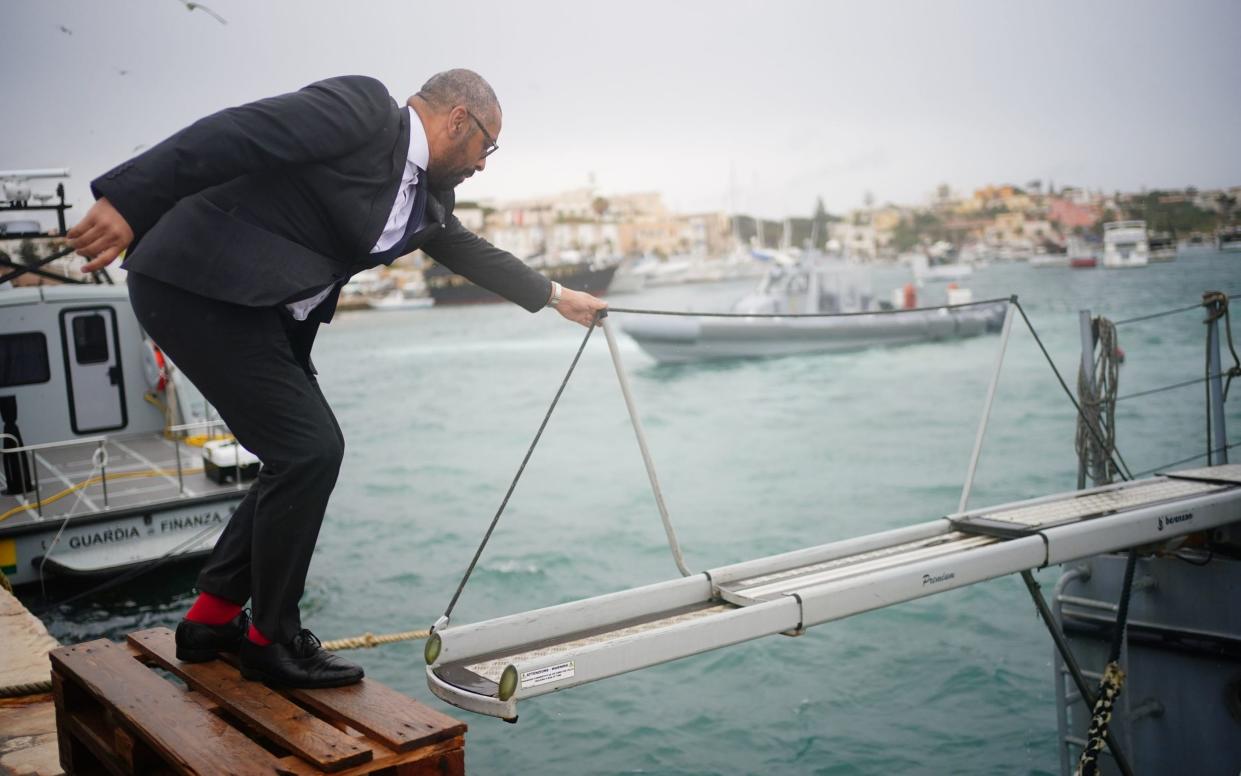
65 29
192 6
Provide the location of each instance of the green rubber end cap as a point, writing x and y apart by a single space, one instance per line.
508 683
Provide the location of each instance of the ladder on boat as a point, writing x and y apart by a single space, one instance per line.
487 667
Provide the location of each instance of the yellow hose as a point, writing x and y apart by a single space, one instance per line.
93 481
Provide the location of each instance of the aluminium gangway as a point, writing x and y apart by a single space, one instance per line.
487 667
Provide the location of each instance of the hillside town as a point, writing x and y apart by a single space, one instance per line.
585 236
993 222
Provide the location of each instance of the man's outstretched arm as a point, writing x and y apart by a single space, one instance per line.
321 121
469 255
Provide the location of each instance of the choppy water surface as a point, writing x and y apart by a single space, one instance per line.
756 457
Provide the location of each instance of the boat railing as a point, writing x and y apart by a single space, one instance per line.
28 469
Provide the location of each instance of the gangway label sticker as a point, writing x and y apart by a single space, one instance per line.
547 674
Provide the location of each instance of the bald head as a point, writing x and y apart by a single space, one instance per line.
445 90
461 118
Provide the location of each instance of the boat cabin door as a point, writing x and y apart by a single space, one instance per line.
92 349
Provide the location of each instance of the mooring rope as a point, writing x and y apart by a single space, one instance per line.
369 640
29 688
1112 682
1097 389
1070 662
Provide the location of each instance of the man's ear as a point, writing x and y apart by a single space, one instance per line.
457 122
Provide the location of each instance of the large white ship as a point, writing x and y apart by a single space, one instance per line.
1125 245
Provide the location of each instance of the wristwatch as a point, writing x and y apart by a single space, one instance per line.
555 297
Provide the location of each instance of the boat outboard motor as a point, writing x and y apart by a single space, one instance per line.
17 468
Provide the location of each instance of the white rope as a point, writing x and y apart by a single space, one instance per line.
1098 401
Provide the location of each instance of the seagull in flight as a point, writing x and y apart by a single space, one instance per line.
192 6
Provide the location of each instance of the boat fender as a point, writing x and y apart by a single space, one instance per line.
154 366
910 300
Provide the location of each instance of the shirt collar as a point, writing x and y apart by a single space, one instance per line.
419 150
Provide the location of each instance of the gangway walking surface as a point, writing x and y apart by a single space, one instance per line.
488 667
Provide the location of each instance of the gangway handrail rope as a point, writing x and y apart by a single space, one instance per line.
1122 468
1221 449
1163 313
1163 388
443 619
520 470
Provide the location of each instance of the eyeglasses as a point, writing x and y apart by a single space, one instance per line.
491 146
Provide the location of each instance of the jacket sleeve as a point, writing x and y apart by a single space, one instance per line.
467 254
324 120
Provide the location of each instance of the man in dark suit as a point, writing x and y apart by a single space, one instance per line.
241 230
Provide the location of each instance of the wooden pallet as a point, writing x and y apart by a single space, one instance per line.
116 714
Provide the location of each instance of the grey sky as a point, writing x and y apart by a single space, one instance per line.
775 103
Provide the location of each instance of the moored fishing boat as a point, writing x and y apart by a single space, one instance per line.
399 299
1162 246
1082 254
1228 239
448 288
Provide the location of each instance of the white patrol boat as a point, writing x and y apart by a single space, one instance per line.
816 305
102 464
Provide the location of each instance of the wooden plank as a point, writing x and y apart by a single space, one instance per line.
257 706
446 761
188 738
28 741
444 758
395 719
26 644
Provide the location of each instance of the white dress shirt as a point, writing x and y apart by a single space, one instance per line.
416 160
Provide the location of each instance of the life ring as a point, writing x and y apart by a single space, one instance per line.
154 366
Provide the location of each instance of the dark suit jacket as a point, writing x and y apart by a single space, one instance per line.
270 201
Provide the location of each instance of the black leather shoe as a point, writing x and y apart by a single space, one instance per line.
198 643
302 662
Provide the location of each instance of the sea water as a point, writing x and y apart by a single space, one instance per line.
755 457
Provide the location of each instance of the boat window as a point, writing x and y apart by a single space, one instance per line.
90 339
23 359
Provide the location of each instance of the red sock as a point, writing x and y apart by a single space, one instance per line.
212 610
258 638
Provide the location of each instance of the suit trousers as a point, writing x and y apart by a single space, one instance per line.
253 365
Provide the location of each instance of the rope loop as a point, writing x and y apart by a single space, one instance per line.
1216 303
1096 424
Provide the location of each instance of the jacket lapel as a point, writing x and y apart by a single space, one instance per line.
385 197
